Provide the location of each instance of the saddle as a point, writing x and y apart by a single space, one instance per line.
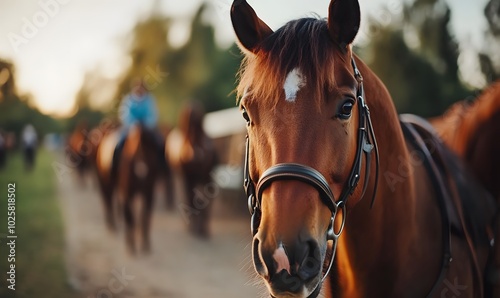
158 142
462 213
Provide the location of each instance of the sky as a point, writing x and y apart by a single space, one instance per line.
54 43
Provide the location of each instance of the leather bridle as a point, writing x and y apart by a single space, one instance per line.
366 142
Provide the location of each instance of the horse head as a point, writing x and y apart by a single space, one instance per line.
308 131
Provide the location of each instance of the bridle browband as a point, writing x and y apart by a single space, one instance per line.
366 142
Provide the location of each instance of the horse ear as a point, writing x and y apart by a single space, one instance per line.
249 29
344 17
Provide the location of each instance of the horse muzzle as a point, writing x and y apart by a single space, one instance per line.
290 269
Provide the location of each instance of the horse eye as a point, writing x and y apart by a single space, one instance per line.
245 116
346 110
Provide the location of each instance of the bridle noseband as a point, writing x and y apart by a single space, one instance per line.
291 171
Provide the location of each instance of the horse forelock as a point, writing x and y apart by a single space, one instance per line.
303 44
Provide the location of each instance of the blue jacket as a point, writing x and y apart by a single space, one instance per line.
135 109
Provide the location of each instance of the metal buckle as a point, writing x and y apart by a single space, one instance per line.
331 233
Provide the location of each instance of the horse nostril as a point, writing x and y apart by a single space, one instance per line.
257 260
284 282
311 264
287 268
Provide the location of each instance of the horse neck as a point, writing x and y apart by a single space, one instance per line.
148 146
456 125
365 246
136 144
195 137
481 153
459 127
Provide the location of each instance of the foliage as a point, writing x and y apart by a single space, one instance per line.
422 79
416 56
411 80
15 111
7 79
198 70
489 59
86 116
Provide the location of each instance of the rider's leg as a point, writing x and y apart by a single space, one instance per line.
118 152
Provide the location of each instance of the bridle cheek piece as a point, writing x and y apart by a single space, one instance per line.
293 171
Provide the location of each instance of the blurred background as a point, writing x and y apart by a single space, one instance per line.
65 66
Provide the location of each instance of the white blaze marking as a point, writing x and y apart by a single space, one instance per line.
294 81
281 259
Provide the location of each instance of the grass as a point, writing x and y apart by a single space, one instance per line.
40 268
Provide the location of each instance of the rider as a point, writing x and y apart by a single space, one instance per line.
137 107
29 139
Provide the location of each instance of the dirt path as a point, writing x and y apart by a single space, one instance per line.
179 266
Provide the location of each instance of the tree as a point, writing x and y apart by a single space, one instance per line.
148 47
411 80
488 58
212 70
198 70
417 58
202 70
15 110
492 13
430 19
7 81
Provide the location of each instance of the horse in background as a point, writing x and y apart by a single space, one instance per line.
101 143
312 172
81 148
140 165
194 156
102 159
166 176
471 129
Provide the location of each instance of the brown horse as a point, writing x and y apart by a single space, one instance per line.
471 130
196 159
81 149
141 164
103 141
93 150
108 137
305 97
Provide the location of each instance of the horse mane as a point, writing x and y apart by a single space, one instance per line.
132 141
464 117
139 138
305 44
487 104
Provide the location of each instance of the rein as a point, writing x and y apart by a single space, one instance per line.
439 185
414 130
366 143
